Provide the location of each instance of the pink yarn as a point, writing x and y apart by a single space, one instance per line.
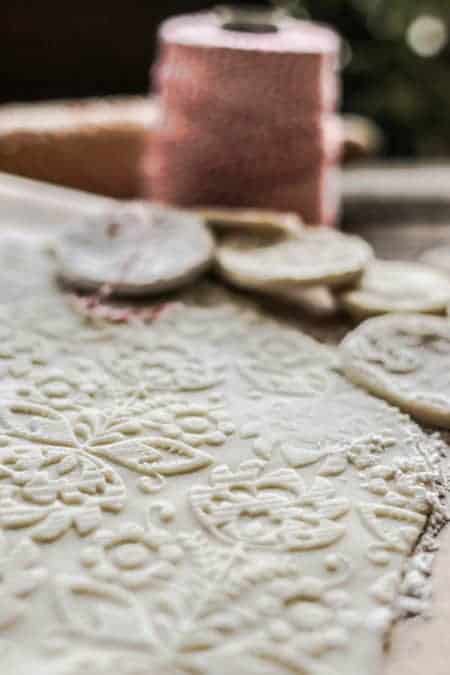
246 119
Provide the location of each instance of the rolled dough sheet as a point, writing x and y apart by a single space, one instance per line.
201 494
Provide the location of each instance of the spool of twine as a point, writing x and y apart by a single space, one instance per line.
248 114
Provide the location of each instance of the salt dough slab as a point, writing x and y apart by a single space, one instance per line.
397 286
317 256
252 220
438 257
203 494
406 360
136 249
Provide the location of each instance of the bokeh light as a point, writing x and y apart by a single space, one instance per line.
427 35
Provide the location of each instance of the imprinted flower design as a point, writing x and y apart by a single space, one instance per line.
64 390
160 367
314 618
196 424
272 511
133 557
402 485
366 451
21 353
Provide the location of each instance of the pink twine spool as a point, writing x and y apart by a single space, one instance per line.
247 118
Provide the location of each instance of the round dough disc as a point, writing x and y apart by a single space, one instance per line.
136 249
317 256
252 220
438 257
405 359
396 286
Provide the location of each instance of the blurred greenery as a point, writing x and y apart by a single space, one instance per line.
396 66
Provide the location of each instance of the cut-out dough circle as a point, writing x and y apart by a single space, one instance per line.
136 249
316 256
404 359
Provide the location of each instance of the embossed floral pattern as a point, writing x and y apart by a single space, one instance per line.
243 564
133 556
194 423
55 469
160 367
292 619
289 364
273 510
315 617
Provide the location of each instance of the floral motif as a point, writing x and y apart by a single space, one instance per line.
403 349
402 484
196 424
202 601
404 359
399 515
397 353
274 511
255 576
133 557
315 617
287 364
21 352
20 575
303 437
160 367
54 469
366 452
71 388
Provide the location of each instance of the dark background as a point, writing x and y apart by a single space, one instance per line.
57 49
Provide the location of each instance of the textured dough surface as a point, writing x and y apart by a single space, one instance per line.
406 360
205 494
136 249
317 256
397 286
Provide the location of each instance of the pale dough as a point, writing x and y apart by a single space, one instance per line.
406 360
252 220
318 256
135 249
202 494
397 286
